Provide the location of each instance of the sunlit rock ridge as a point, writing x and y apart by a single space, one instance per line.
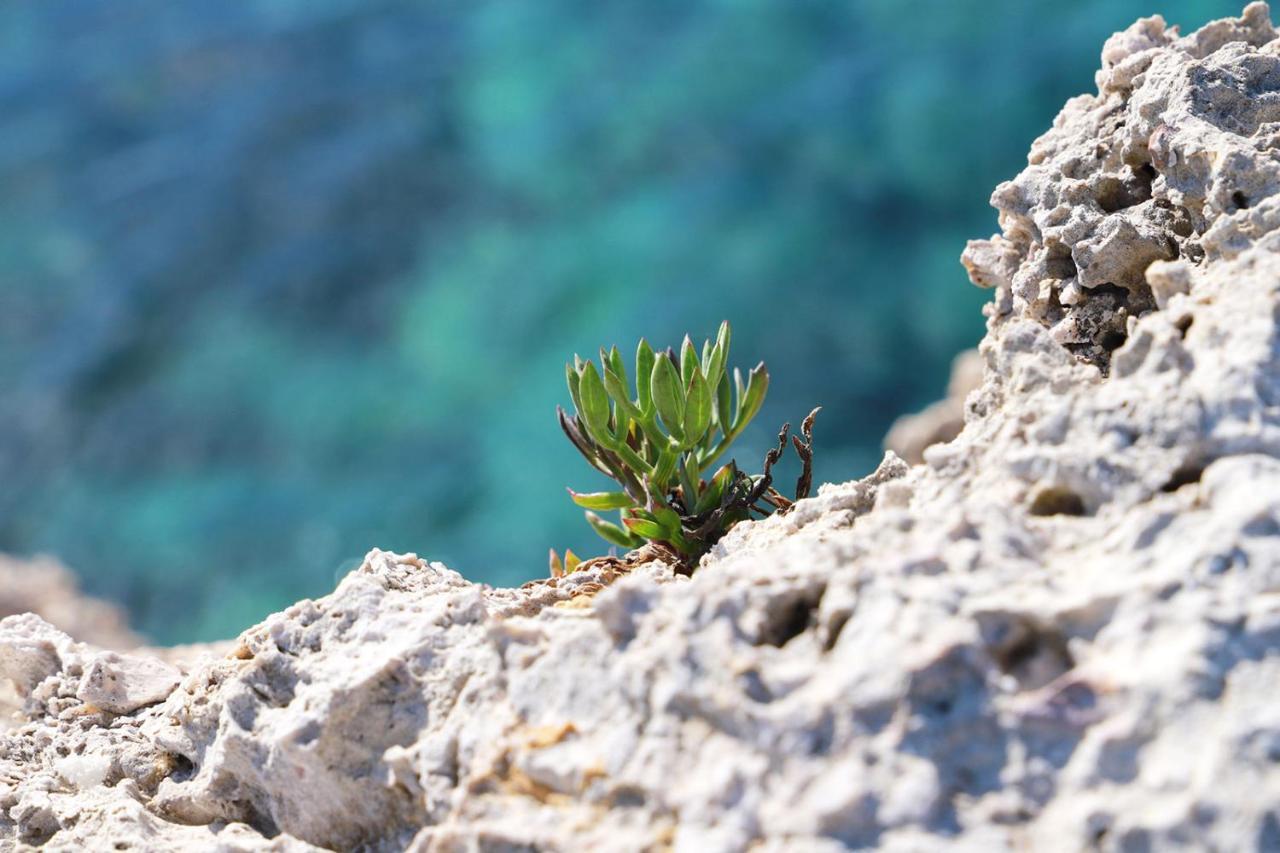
1061 631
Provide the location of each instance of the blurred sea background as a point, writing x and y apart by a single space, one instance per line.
282 281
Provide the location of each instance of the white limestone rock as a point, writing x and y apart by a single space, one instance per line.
32 650
1061 631
121 684
44 587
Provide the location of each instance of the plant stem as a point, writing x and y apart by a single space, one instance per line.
632 458
689 486
720 448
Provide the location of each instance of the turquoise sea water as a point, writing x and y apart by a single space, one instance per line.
283 281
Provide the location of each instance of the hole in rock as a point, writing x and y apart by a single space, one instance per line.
628 797
1176 219
1185 475
1058 261
1036 659
182 768
1099 325
1240 200
1112 340
789 618
1113 194
1183 323
834 626
752 684
1033 653
1057 500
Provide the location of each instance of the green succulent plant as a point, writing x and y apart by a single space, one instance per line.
567 566
662 445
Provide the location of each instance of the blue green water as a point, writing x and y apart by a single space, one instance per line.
283 281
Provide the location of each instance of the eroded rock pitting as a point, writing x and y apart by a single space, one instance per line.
1182 134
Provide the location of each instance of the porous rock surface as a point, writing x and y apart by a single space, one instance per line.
1059 632
42 585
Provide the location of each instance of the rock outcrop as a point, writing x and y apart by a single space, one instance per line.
1061 631
43 586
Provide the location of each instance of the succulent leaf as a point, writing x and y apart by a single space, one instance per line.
573 430
644 372
670 521
757 386
697 410
714 364
602 500
723 334
720 481
595 404
667 396
647 529
688 361
740 390
617 365
616 386
611 532
724 403
571 377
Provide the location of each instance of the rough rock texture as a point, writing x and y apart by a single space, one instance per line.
1060 632
121 684
942 421
43 586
